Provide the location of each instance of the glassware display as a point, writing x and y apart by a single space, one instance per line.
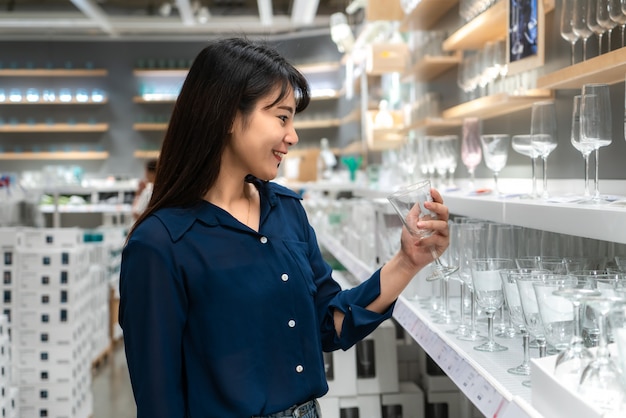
618 15
603 17
583 147
543 135
408 202
595 123
592 22
489 294
513 301
471 151
522 145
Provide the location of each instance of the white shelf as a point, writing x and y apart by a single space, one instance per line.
97 208
482 377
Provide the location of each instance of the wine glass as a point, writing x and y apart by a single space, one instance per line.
496 151
471 152
618 15
603 17
575 138
556 311
567 26
595 123
592 22
408 202
489 293
522 145
579 26
512 299
543 135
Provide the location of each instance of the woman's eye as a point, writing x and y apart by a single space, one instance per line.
283 118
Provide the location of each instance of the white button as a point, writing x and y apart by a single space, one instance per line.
291 323
284 277
263 240
299 368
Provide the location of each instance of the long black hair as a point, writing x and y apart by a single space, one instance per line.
228 77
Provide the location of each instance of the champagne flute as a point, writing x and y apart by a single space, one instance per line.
496 151
408 202
595 123
471 152
603 17
592 22
522 145
567 26
579 25
618 15
583 147
543 135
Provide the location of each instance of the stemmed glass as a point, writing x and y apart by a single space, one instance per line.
530 308
408 202
543 135
592 22
522 145
567 26
579 25
618 15
489 293
604 19
512 299
471 152
583 147
496 151
595 123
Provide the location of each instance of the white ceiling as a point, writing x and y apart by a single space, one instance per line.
146 19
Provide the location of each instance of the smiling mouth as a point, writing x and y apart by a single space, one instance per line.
279 155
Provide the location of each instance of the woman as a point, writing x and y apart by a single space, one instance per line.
226 301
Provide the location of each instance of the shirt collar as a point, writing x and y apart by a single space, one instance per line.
178 220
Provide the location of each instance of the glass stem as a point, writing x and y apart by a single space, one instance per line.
573 52
587 192
533 166
577 337
585 49
462 307
526 348
541 342
596 193
495 180
490 339
544 161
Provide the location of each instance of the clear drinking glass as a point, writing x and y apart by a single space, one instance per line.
618 15
556 311
489 293
408 202
471 152
595 123
522 145
496 151
543 135
604 19
512 299
592 22
583 147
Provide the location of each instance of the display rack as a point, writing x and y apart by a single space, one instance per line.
487 26
496 105
45 72
608 68
431 67
56 127
426 14
60 155
433 125
146 154
150 126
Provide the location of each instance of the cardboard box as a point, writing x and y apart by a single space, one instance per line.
383 58
383 10
408 403
377 361
341 375
362 406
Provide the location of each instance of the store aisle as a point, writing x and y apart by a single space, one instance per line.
112 394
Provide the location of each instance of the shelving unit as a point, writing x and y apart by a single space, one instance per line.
180 73
431 67
317 124
320 67
139 99
488 26
51 72
149 126
57 127
146 154
496 105
59 155
426 14
55 103
433 125
608 68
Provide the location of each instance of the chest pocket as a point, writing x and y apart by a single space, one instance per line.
298 253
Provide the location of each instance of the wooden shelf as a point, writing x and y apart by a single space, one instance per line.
432 125
146 154
55 103
335 95
320 67
61 155
488 26
149 126
44 72
496 105
426 14
58 127
607 68
140 99
431 67
161 73
317 124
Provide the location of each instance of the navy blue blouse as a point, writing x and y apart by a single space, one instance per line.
222 321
